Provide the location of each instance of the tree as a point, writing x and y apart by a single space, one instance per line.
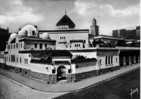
4 35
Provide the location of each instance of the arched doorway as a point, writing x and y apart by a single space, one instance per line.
61 73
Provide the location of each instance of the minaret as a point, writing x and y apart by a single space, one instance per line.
94 28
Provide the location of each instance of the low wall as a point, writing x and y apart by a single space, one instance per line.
84 75
44 78
85 64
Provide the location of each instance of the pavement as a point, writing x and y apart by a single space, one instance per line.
119 88
10 89
69 87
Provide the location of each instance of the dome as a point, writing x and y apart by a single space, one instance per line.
29 27
44 36
12 37
22 33
28 30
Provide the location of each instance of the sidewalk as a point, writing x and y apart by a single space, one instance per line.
68 87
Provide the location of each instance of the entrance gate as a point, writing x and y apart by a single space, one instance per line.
61 73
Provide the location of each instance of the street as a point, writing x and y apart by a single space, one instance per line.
118 88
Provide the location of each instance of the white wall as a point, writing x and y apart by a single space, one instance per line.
103 62
85 54
86 69
32 45
67 37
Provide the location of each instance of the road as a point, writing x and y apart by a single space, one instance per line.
10 89
119 88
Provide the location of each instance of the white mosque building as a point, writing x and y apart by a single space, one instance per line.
37 57
52 55
70 38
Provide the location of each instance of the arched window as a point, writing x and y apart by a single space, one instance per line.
53 71
45 45
100 62
69 71
106 60
35 45
40 46
33 33
116 59
109 59
112 59
26 32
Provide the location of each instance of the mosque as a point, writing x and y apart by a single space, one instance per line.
65 53
70 38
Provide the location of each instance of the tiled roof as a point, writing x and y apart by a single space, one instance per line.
108 37
36 39
47 53
77 41
65 20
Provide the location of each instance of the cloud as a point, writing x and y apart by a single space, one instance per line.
91 7
18 13
45 13
83 7
108 15
52 10
129 11
61 0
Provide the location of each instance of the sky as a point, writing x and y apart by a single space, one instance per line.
110 14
